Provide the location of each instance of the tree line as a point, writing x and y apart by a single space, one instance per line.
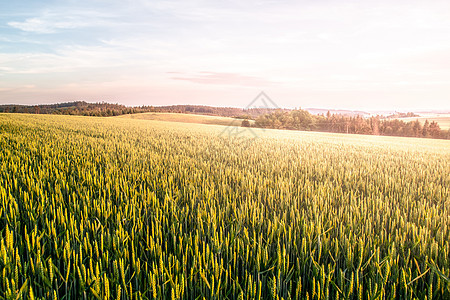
303 120
104 109
264 118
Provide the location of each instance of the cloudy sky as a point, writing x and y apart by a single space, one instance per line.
370 55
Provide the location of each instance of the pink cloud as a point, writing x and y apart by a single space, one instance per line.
217 78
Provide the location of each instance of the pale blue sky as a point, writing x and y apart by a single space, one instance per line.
330 54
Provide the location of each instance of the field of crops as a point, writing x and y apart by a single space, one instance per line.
185 118
112 208
443 121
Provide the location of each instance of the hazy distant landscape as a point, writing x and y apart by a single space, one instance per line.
320 120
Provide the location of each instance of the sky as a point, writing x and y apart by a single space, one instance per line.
360 55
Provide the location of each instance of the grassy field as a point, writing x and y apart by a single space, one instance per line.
185 118
118 208
443 121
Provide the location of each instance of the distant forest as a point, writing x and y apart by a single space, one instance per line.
302 120
103 109
264 118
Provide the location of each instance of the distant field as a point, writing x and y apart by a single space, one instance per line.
185 118
442 120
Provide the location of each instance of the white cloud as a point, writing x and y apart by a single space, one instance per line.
52 21
37 25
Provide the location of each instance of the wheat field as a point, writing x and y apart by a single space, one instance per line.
115 208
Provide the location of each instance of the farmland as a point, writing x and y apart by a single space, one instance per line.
185 118
442 120
116 208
